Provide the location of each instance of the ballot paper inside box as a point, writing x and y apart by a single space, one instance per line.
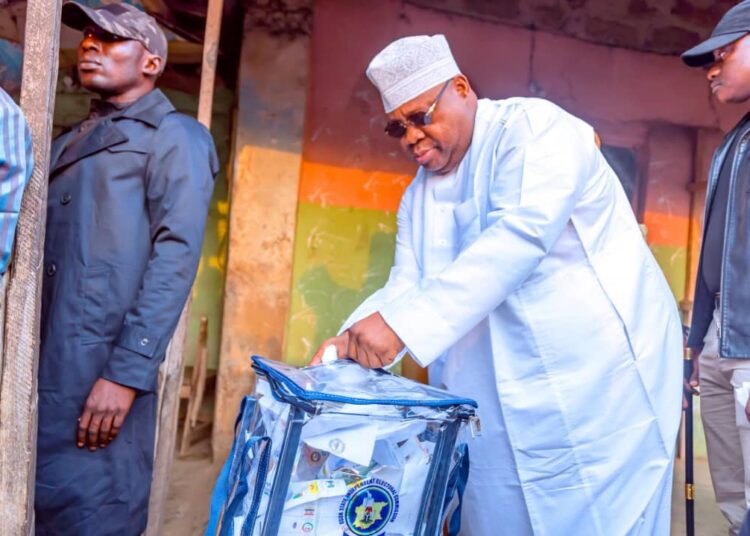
342 450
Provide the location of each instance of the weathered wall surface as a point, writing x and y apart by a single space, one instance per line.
352 175
263 202
661 26
669 169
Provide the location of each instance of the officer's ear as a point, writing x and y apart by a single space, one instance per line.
153 65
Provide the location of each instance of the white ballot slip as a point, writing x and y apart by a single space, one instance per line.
355 443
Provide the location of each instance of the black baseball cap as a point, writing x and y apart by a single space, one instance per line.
734 25
123 20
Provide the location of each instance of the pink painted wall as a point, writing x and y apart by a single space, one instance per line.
593 81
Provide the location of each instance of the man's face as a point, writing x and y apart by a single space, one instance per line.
729 75
111 65
439 146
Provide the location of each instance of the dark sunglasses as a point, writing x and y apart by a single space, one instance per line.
102 35
397 129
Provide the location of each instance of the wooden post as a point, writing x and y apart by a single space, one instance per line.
210 55
197 388
170 379
18 384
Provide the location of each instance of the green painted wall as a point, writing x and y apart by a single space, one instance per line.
341 256
673 262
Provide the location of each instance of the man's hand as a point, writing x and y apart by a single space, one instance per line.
340 343
372 343
103 414
690 385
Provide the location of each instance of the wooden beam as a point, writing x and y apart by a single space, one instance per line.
195 390
170 381
172 370
18 384
210 54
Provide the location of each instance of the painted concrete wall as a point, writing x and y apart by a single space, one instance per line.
670 168
263 203
352 176
663 26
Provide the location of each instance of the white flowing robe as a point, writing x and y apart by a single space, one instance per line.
525 281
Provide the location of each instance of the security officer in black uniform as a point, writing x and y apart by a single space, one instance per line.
128 195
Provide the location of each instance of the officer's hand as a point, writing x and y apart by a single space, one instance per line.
690 385
103 414
372 343
340 342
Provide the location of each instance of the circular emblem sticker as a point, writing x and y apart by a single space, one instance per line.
336 445
368 507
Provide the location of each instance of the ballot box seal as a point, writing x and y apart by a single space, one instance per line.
368 507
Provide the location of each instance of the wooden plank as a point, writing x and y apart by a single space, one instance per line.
172 369
18 402
210 54
201 368
170 382
196 387
3 290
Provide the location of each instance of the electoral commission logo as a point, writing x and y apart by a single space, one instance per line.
368 507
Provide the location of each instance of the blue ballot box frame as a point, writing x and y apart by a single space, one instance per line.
284 472
442 483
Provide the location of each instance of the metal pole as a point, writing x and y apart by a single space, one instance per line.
689 479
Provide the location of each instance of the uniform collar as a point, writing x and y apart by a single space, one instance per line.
150 108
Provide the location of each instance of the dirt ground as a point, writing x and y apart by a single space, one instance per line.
193 479
190 493
709 521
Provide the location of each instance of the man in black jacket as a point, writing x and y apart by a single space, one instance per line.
720 330
128 196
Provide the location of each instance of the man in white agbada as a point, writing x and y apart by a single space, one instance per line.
522 280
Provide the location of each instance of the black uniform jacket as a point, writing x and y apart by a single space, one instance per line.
125 222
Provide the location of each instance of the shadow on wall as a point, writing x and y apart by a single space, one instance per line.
327 302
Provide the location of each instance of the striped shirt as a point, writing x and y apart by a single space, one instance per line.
16 163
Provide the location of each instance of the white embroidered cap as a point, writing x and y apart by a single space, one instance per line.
410 66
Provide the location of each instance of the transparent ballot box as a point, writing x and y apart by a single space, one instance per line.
339 449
